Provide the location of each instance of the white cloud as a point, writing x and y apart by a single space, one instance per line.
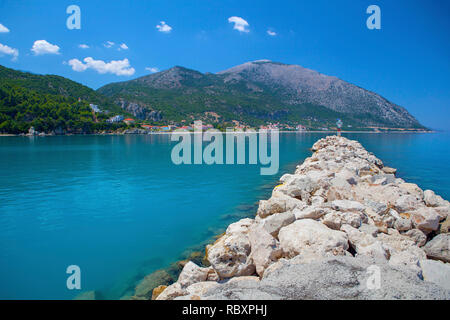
83 46
163 27
123 46
119 67
4 49
239 24
152 69
3 29
271 33
43 47
109 44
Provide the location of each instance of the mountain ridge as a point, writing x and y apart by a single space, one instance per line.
245 92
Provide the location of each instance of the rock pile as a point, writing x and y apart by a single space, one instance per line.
343 226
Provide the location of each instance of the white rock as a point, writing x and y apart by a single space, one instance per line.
405 259
275 222
443 212
341 183
200 288
191 274
298 186
347 205
401 223
365 244
426 219
432 200
403 251
317 201
278 203
352 218
369 229
389 170
172 291
378 207
332 220
412 189
439 247
242 226
265 249
406 203
348 176
310 212
229 255
310 236
436 272
417 236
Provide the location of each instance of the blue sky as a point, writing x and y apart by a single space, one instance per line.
407 61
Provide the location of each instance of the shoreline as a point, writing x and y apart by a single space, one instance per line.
357 228
164 133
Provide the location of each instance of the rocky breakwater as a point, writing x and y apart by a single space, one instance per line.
343 226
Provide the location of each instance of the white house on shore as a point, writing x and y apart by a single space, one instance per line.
115 119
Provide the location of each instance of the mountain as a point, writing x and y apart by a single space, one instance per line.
259 92
50 104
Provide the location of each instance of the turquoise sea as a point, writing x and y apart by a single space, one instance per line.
119 208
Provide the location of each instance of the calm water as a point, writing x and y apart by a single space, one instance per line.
117 206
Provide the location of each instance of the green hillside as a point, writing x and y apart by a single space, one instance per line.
49 104
55 85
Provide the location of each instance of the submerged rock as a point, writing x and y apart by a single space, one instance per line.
87 295
145 288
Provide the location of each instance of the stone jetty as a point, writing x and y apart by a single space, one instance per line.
343 226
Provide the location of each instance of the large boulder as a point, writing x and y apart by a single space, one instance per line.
426 219
278 203
436 272
406 203
438 247
265 249
191 274
417 236
402 250
172 291
310 212
229 255
365 244
298 186
275 222
347 205
311 237
433 200
331 278
412 189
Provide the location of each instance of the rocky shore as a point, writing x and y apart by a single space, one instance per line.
343 226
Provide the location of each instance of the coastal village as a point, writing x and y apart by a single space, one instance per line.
211 121
128 124
237 126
